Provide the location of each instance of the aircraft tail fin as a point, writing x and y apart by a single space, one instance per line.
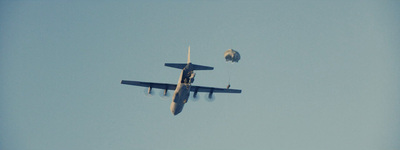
181 65
188 61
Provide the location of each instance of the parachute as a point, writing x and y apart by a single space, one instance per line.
232 56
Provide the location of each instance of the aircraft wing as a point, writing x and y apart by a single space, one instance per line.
173 87
213 89
150 84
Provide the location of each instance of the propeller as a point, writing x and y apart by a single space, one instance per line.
210 97
195 97
148 92
164 94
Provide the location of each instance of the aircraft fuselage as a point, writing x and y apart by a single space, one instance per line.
182 91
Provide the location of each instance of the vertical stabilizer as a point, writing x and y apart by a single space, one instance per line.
188 55
194 66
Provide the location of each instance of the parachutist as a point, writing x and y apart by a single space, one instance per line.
233 57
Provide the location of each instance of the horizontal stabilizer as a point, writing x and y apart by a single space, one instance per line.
200 67
175 65
195 67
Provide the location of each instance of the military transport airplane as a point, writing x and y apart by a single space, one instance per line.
184 86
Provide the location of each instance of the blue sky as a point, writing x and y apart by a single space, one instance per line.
314 75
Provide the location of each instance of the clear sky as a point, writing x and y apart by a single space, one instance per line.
315 75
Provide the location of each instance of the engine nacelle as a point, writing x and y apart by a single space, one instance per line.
210 95
165 92
149 91
195 93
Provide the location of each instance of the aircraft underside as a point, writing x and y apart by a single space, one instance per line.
180 97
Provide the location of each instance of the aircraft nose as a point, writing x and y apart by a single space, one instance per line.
173 109
174 113
176 108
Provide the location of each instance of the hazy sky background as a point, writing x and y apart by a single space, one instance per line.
315 75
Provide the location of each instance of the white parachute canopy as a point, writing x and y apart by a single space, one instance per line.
232 55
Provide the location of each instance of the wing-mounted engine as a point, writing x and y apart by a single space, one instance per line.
165 93
196 89
149 90
210 96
